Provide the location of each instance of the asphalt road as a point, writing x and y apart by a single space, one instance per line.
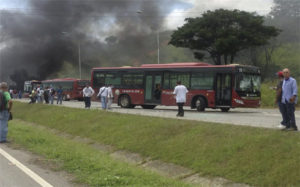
33 172
257 117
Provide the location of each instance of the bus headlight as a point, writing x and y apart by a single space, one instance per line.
239 101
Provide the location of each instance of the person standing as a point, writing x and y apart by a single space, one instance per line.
59 95
103 92
32 96
289 99
88 92
110 96
180 92
51 94
278 99
5 111
46 95
40 93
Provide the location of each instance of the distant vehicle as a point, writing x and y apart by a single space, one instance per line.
210 86
72 88
30 85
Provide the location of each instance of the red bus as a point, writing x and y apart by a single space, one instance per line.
30 85
72 88
210 86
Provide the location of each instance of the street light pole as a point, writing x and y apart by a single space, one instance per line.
157 36
79 59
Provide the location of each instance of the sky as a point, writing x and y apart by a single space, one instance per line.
176 17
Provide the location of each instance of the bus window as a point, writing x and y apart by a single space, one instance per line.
98 79
170 80
248 82
66 86
82 83
202 81
133 80
183 77
113 79
166 81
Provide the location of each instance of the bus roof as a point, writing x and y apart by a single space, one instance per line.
174 65
63 79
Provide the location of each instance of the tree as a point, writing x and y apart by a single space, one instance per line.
285 15
222 33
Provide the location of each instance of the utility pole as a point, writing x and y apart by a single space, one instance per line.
79 59
157 46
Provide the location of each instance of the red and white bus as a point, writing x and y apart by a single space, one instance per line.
210 86
30 85
72 88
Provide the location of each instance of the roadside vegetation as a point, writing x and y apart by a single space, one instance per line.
268 93
255 156
88 165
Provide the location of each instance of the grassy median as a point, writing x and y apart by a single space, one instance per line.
256 156
88 165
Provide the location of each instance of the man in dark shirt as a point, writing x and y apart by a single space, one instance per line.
59 95
278 99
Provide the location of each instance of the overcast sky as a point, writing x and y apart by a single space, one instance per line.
176 18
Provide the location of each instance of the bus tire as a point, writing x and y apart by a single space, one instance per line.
225 109
200 104
148 106
124 101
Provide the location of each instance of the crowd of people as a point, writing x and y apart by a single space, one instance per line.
46 95
105 95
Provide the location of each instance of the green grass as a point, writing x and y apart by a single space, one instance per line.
256 156
87 164
268 95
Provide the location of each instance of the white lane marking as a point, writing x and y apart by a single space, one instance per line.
26 170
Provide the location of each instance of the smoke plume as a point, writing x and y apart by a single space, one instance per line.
37 40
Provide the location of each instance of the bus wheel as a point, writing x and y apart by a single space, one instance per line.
200 104
148 106
125 101
225 109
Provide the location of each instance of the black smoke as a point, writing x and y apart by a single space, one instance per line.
38 39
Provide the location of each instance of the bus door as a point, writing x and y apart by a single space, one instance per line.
153 91
223 89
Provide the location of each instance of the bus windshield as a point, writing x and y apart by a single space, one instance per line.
248 83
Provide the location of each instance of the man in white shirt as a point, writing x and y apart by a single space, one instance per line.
180 91
88 92
110 96
103 93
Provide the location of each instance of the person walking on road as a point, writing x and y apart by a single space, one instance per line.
278 99
51 94
180 92
103 93
289 99
59 95
88 92
110 96
5 111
